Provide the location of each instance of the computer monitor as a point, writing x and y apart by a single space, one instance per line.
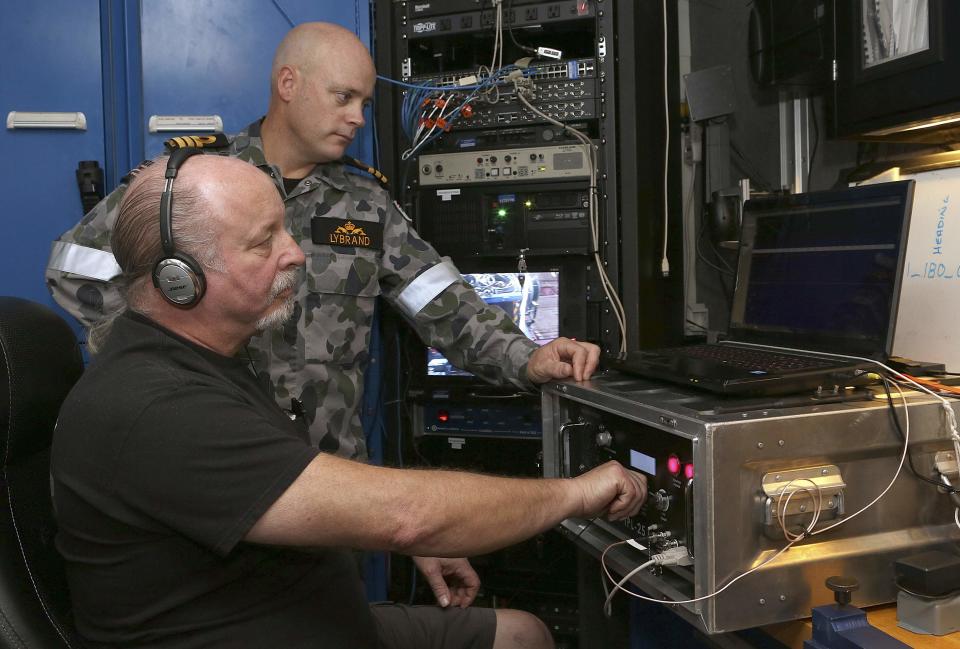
822 270
532 300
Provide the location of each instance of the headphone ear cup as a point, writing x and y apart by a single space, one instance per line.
180 280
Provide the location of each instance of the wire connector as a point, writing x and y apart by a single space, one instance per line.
677 556
665 267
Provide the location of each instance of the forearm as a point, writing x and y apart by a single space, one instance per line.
476 336
336 502
447 312
463 514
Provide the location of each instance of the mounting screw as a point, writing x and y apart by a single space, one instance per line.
759 444
781 442
783 598
762 601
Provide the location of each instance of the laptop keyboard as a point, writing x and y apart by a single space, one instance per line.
750 359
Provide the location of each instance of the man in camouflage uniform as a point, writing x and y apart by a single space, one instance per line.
358 245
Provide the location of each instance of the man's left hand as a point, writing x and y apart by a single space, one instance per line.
453 581
563 358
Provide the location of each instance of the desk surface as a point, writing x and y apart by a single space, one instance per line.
792 634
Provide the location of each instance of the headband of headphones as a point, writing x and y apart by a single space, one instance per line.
177 158
177 275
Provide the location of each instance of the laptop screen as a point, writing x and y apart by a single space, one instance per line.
822 270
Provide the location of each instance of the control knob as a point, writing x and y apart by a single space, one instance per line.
661 500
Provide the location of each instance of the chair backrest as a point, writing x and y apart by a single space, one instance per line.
39 363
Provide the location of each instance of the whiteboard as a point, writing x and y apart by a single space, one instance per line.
928 319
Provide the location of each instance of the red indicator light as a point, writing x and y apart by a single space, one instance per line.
673 464
688 471
582 8
443 416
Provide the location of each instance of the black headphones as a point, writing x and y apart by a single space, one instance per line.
178 275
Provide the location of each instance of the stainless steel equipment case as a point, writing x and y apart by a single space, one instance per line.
725 473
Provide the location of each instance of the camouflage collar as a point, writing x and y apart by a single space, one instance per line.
248 145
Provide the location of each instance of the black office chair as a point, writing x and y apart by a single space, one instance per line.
39 363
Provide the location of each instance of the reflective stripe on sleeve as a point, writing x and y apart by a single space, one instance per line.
427 286
87 262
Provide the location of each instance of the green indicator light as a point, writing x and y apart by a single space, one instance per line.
501 212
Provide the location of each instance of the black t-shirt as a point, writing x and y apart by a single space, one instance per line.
164 456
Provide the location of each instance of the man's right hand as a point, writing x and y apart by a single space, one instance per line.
612 490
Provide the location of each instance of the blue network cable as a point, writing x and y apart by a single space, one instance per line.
415 117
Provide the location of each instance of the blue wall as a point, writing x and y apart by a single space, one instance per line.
119 62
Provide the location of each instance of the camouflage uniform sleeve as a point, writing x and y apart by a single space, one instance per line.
445 310
81 264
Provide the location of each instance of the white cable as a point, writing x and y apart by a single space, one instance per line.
956 510
664 261
497 25
697 599
782 513
608 288
619 585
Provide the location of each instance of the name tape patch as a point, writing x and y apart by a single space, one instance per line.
344 232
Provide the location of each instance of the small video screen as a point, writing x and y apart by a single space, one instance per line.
533 305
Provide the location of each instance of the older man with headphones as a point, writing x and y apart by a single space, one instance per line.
194 512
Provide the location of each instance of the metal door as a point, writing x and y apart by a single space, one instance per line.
50 61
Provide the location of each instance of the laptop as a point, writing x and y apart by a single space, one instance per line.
818 272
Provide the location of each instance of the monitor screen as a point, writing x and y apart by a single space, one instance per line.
822 270
533 305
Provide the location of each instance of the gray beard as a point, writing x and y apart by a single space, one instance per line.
275 319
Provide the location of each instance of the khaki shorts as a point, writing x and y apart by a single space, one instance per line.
432 627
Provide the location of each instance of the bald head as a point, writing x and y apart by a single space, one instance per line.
322 82
312 47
